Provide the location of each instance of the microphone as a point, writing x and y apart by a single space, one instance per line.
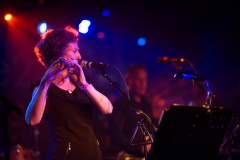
196 77
173 60
87 64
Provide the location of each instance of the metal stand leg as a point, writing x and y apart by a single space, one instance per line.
144 133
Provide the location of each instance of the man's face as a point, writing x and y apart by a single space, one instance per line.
137 82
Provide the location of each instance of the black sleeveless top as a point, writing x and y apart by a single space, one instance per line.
69 118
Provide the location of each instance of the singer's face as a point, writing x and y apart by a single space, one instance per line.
137 82
72 52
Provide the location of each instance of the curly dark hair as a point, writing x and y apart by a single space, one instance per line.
53 43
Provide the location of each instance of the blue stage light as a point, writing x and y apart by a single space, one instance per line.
106 13
84 26
141 41
42 27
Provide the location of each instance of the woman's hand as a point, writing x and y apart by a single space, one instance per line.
56 72
101 102
76 72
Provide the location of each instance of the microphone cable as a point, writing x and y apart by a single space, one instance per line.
124 81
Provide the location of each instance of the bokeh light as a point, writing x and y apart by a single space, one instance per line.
106 13
141 41
100 35
8 17
84 26
42 27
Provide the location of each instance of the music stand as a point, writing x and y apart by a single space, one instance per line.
190 133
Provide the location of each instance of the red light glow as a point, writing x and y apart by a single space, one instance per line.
100 35
8 17
165 58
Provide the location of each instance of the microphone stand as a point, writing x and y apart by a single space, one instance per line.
229 140
230 137
138 112
198 77
145 133
208 100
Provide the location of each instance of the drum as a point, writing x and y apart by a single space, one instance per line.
19 153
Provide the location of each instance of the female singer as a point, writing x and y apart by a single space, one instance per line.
65 98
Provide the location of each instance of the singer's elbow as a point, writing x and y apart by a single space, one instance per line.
106 109
110 108
31 121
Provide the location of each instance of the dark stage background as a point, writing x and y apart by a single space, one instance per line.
207 34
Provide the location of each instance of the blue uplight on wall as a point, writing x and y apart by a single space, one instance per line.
141 41
42 27
84 26
106 13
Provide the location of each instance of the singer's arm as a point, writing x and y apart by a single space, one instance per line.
37 105
101 102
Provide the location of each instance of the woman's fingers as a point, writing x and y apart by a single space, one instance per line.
59 64
57 71
59 76
62 68
74 69
50 73
77 74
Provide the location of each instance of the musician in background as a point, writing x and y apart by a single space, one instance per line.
123 120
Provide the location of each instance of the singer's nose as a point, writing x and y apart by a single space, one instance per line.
79 57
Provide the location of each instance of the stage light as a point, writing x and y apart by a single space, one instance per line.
100 35
84 26
141 41
42 27
8 17
106 13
